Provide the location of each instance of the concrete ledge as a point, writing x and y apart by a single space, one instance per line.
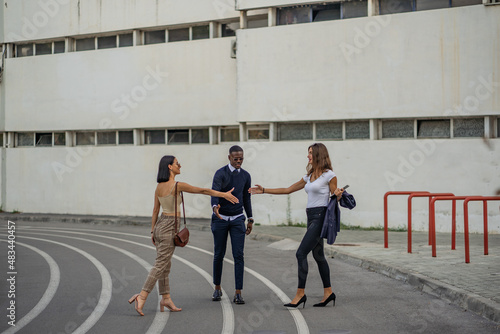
78 219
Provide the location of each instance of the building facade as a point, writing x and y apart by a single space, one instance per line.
404 93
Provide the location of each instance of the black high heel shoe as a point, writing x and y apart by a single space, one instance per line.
302 300
329 299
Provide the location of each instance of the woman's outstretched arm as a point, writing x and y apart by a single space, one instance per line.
183 186
258 189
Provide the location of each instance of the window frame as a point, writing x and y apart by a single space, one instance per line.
258 127
229 127
156 130
22 133
82 132
280 124
198 128
44 134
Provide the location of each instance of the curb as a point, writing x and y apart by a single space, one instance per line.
467 300
98 220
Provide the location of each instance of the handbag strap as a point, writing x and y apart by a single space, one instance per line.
175 208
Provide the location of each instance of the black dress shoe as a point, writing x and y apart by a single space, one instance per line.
302 300
238 299
217 295
329 299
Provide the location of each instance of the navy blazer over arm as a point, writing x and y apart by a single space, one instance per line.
331 224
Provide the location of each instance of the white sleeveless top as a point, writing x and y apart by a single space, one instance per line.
318 191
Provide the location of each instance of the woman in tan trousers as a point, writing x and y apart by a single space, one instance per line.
162 230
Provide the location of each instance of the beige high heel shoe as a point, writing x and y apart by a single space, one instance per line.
136 305
163 304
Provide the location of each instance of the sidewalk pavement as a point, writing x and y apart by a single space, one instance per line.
473 286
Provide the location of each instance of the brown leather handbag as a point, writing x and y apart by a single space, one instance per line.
181 238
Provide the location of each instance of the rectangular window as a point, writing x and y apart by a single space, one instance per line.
357 130
326 12
398 129
1 139
125 137
432 4
178 136
59 46
257 22
85 44
125 40
25 139
435 128
459 3
229 134
106 138
177 35
395 6
59 139
468 127
85 138
258 132
43 49
155 136
106 42
498 127
200 136
329 130
24 50
229 29
43 139
294 15
201 32
295 131
154 37
354 9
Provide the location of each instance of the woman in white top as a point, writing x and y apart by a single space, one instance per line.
319 182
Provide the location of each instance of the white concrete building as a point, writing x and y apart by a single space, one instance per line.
404 93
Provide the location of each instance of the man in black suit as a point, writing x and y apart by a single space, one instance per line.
233 220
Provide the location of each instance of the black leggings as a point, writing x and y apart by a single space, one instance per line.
313 242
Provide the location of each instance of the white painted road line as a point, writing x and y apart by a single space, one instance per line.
300 322
227 309
106 287
160 320
55 277
299 319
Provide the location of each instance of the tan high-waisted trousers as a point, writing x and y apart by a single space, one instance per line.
164 239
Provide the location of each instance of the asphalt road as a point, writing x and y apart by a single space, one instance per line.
75 278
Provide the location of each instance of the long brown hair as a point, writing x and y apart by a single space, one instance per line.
320 159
